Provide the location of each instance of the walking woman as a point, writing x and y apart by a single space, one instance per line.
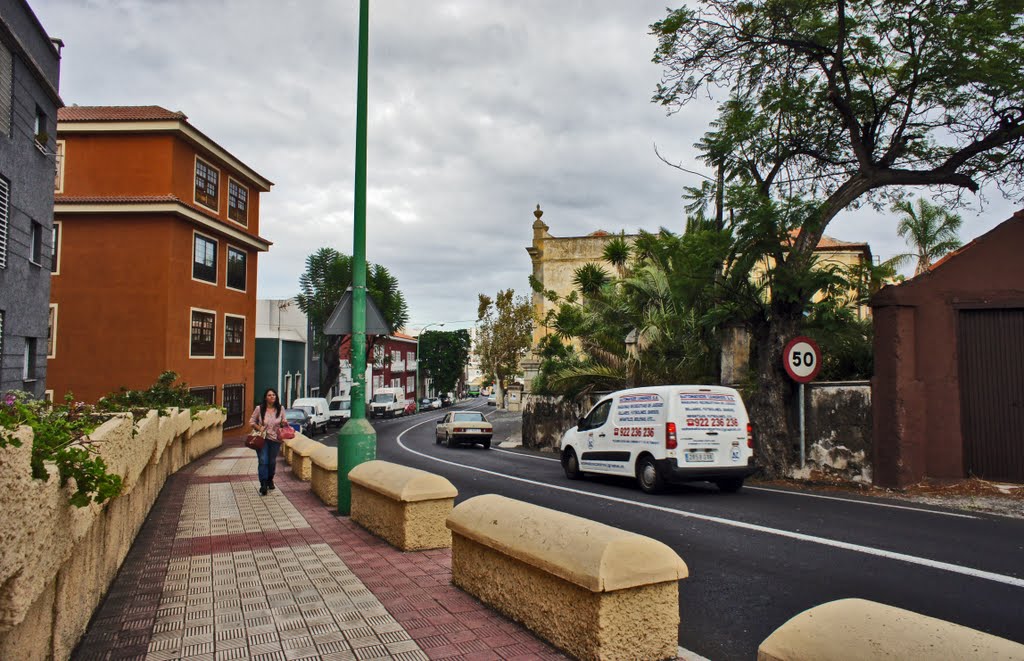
268 417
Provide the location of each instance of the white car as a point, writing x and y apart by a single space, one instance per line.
664 434
459 427
340 410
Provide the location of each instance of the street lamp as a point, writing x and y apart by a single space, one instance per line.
422 331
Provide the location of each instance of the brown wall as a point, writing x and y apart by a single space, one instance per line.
916 389
124 289
119 164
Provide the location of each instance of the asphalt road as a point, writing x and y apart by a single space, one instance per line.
761 556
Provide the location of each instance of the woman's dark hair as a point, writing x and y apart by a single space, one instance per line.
277 403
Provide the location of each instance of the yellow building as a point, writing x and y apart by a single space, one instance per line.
556 258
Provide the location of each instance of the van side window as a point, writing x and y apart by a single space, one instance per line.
599 415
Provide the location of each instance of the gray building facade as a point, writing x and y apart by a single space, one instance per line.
29 98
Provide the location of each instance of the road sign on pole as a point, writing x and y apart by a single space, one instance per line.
802 359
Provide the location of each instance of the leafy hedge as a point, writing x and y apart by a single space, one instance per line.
61 432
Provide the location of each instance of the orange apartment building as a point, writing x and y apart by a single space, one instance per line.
156 235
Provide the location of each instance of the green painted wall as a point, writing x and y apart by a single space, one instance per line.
266 367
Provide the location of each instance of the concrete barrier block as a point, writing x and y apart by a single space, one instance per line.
595 591
324 481
862 630
301 450
404 506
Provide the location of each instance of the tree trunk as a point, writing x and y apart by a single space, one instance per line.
331 358
773 399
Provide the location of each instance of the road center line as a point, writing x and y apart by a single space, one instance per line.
797 493
824 541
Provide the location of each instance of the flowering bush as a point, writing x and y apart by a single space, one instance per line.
61 435
163 394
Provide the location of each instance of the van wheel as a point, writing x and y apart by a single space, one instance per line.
729 484
571 465
647 476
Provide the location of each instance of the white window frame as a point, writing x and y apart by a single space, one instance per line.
410 383
60 151
48 396
216 257
220 178
227 260
35 239
52 339
211 312
28 362
248 195
56 252
244 329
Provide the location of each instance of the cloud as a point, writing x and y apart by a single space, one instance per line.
478 111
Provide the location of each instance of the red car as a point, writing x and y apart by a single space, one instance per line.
410 408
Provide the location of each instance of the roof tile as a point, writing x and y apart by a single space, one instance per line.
117 114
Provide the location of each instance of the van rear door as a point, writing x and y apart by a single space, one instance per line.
711 425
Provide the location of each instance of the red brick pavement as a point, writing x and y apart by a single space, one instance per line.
414 588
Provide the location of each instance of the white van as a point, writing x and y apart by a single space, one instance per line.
664 434
387 403
340 410
320 417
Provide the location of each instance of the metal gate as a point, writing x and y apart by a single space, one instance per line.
991 365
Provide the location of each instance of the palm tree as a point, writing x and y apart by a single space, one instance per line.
616 252
929 230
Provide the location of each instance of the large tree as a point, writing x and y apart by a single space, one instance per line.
836 104
505 331
443 356
327 276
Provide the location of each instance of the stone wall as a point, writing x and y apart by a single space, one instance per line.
56 560
545 419
839 428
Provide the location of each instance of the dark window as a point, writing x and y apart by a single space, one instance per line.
236 268
37 243
599 415
234 336
29 364
41 134
234 395
208 394
207 181
54 263
202 333
238 202
5 196
204 259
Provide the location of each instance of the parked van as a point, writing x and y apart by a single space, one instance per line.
387 403
320 417
664 434
340 410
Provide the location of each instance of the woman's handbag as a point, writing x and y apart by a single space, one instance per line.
255 440
286 433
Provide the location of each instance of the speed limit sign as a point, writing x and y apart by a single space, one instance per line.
802 359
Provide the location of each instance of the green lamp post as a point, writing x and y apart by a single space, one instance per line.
357 441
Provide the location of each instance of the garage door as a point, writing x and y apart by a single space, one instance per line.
991 357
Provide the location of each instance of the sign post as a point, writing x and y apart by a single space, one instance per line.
802 360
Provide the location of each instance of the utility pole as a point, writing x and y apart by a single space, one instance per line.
357 441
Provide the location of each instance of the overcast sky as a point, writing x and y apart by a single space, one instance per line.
479 110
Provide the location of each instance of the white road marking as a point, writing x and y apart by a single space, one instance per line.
799 493
861 502
824 541
687 655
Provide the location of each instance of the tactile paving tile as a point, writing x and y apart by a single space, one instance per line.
290 621
229 508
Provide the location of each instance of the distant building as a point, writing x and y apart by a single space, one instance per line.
29 82
394 364
157 230
281 349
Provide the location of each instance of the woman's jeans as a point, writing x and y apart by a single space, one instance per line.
268 460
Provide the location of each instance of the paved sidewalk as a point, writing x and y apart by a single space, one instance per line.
219 572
